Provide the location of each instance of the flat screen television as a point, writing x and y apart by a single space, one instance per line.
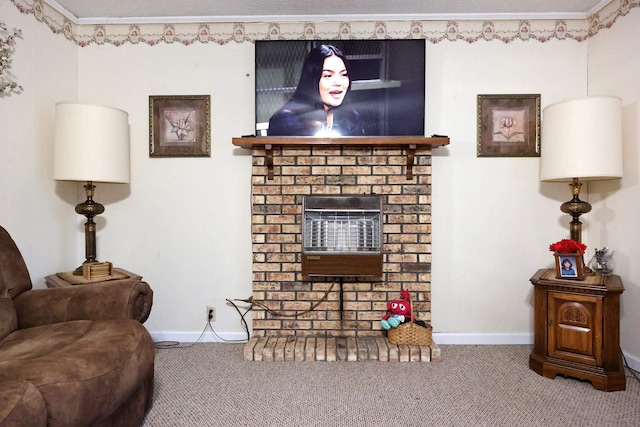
387 83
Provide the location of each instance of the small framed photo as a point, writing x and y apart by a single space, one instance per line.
509 125
569 266
180 126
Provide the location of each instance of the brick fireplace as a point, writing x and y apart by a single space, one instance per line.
343 312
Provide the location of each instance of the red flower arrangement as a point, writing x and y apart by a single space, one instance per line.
568 246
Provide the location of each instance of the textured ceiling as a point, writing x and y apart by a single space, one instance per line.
84 11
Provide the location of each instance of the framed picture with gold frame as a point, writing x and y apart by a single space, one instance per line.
508 125
180 126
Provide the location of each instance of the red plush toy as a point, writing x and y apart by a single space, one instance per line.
398 311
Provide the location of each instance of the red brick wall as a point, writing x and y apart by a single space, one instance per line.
353 306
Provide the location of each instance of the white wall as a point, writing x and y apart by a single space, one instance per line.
492 219
33 208
184 223
185 226
614 68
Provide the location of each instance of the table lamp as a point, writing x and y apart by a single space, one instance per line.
91 144
581 141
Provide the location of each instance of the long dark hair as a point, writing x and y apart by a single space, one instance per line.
304 114
307 91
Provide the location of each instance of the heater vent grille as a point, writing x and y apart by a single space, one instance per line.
342 236
341 231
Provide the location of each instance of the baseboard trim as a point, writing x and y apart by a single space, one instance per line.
632 361
439 338
191 337
482 339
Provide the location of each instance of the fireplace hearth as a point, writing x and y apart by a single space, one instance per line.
310 349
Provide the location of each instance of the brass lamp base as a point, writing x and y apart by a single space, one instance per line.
575 207
89 208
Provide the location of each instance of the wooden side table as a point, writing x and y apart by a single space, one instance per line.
577 329
60 280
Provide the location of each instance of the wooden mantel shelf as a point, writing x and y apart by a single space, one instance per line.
411 143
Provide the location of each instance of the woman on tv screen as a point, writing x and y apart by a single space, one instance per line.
319 106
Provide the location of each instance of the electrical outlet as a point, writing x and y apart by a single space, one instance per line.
211 313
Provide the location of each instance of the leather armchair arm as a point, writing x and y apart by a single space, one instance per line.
121 299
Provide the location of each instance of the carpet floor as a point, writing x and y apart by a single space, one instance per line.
210 384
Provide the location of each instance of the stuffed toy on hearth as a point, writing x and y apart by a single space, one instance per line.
398 312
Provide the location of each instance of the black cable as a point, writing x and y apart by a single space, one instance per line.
219 337
167 344
341 297
245 326
295 314
631 370
243 321
176 344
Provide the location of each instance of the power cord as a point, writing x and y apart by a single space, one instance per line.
252 303
632 371
207 327
273 312
243 321
177 344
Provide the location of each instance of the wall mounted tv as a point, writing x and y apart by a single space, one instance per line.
386 96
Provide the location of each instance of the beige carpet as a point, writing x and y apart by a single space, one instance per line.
211 385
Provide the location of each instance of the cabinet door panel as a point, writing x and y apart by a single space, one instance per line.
575 327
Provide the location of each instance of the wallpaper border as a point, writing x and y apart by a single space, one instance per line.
469 31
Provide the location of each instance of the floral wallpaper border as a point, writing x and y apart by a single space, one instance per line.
469 31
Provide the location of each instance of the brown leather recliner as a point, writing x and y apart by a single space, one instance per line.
72 356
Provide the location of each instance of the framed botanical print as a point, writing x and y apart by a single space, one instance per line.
180 126
508 125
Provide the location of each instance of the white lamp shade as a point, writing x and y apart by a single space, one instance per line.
91 143
582 138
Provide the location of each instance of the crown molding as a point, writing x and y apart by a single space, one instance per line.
322 18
